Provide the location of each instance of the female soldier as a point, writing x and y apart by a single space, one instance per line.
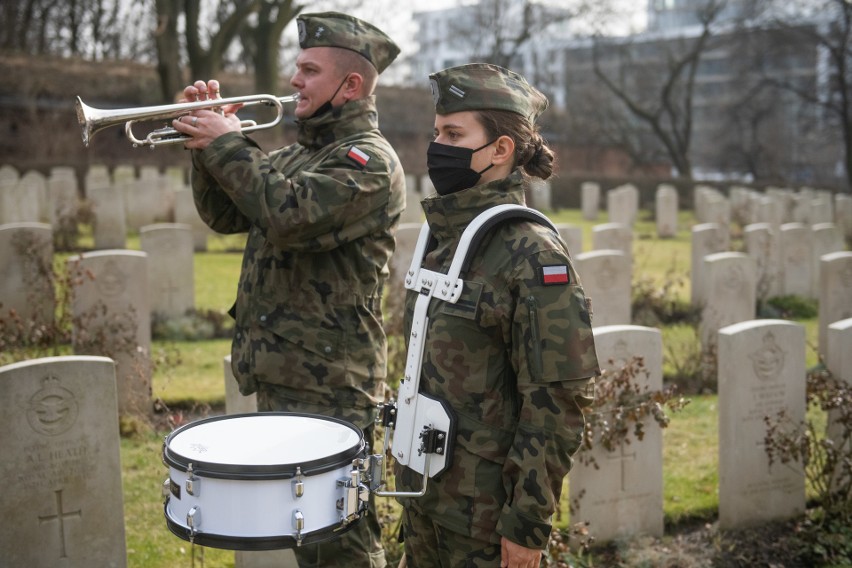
514 357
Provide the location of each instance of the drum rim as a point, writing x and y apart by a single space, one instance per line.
217 470
249 543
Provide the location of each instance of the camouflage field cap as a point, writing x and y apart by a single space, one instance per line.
333 29
482 86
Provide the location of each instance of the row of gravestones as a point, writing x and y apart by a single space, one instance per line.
62 469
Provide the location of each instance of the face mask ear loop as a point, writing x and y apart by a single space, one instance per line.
485 146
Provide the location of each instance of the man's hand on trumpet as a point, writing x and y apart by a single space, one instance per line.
205 125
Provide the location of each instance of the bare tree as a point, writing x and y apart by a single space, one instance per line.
661 99
262 41
826 24
204 62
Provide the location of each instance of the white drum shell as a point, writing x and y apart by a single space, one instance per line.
240 508
237 476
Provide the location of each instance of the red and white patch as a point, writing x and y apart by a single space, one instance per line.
358 156
554 275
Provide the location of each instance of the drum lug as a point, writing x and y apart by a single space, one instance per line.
298 484
193 520
299 525
166 489
193 484
355 495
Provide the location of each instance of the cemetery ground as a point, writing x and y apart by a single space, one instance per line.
188 384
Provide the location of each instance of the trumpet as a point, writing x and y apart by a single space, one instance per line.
93 120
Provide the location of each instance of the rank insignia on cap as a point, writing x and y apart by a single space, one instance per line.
358 156
554 275
456 91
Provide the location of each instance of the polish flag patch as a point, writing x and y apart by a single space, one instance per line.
557 274
358 156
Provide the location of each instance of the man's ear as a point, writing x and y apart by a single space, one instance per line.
504 151
352 87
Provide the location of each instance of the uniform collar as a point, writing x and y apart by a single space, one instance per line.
448 215
340 122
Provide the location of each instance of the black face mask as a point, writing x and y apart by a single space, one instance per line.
326 106
449 167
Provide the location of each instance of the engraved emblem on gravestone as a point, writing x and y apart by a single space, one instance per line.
733 281
620 355
111 281
768 360
53 409
606 275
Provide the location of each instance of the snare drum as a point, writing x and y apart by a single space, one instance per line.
262 481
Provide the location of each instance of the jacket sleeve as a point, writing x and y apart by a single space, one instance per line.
331 203
213 204
555 362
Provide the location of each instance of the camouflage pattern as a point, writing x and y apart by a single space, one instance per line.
321 230
482 86
438 547
515 358
333 29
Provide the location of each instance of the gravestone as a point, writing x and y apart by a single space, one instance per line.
108 209
235 402
838 362
843 214
762 244
590 196
573 237
63 198
427 188
8 180
24 201
825 239
622 204
796 250
835 293
62 498
617 236
730 296
187 214
761 372
26 279
541 194
171 280
822 208
666 208
400 261
141 201
111 310
413 212
707 238
605 276
623 498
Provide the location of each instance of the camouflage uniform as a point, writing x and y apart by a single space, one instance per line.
321 216
515 359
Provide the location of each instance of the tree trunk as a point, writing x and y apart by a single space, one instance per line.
272 19
168 48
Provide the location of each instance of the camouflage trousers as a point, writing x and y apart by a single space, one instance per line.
429 545
360 546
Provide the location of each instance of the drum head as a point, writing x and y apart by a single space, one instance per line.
266 445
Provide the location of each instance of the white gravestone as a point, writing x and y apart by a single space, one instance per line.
171 281
666 209
731 294
110 222
62 498
835 293
541 193
112 315
9 177
761 372
187 214
24 201
63 198
838 361
843 214
26 280
825 239
622 204
707 238
796 258
590 196
624 498
605 275
616 236
572 235
762 244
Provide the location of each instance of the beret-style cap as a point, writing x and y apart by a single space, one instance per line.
482 86
333 29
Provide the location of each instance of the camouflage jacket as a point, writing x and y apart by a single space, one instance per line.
321 216
515 358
